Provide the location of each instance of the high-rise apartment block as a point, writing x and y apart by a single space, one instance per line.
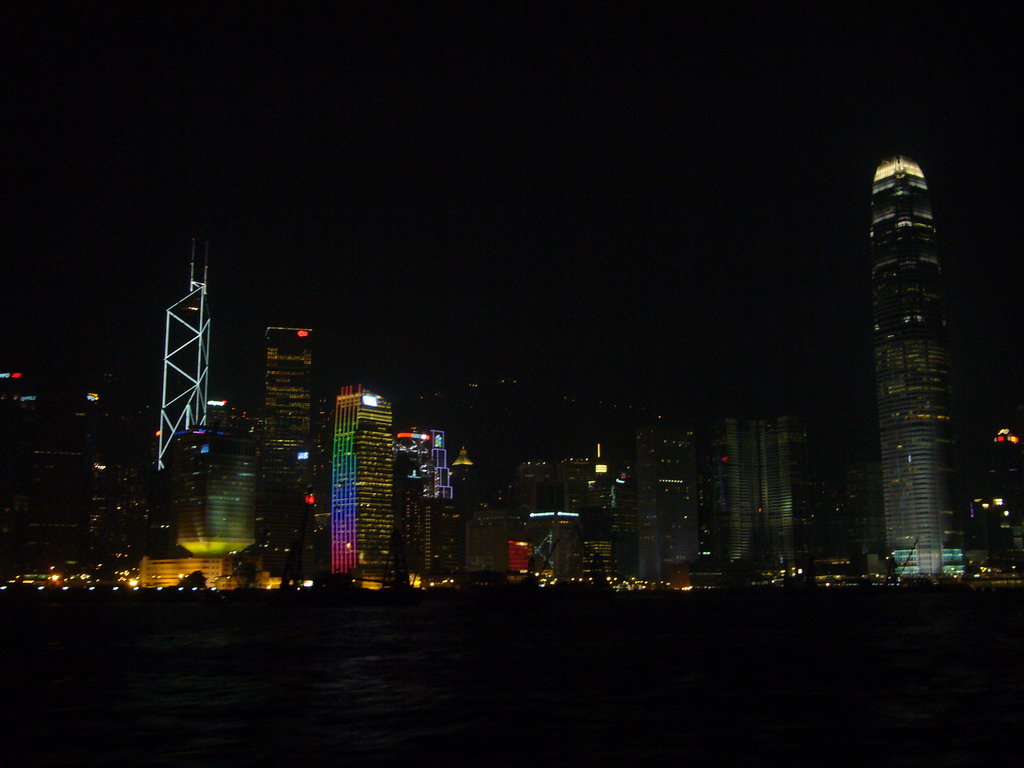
912 373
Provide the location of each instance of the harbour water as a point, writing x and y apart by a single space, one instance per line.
886 678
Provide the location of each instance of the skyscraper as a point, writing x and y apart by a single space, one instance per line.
186 363
912 372
424 509
997 519
361 483
284 445
612 509
763 494
666 479
465 489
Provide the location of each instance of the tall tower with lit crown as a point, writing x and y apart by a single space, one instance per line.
186 362
912 373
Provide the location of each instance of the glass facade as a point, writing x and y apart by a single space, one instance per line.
763 496
214 482
362 517
912 372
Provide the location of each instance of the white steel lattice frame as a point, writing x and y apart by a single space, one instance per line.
186 366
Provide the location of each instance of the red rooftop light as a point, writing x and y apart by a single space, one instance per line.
303 333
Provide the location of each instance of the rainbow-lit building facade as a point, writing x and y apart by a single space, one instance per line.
362 516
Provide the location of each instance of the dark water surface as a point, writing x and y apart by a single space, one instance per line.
876 679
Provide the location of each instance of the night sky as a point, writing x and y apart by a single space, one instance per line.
660 205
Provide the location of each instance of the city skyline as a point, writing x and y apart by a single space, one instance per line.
669 442
547 204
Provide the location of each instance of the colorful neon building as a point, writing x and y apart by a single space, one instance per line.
424 510
362 517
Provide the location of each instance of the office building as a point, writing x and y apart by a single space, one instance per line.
997 518
666 480
611 511
536 489
763 496
424 509
496 540
912 373
46 473
466 495
285 447
362 518
186 363
865 513
557 543
213 486
575 476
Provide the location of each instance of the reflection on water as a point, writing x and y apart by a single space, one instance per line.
880 679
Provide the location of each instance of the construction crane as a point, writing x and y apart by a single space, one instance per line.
291 577
906 561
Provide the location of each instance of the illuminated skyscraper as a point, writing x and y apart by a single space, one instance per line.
361 482
464 485
762 495
424 510
186 363
285 444
912 372
213 481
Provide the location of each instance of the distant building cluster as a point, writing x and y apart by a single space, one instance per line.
305 488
